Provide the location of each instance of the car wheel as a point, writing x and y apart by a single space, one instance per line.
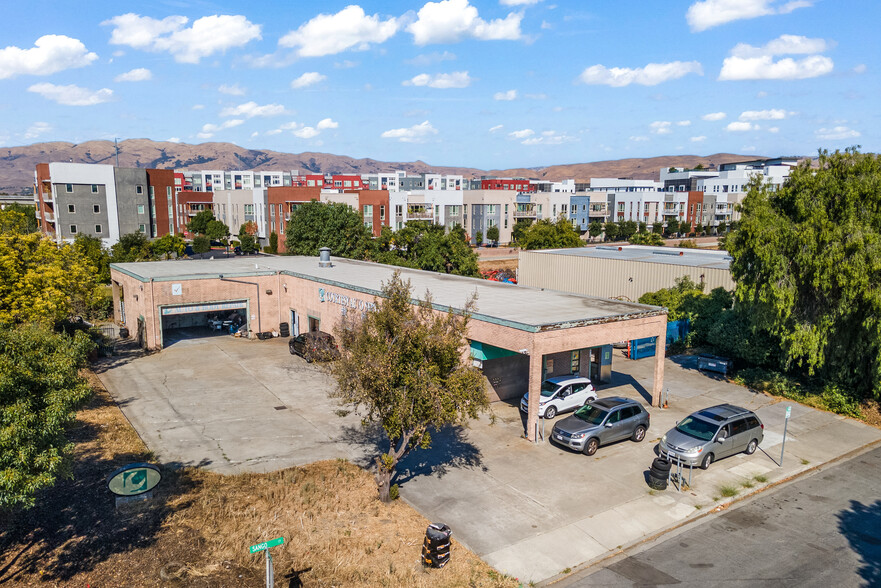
751 448
589 400
550 412
591 446
708 459
638 434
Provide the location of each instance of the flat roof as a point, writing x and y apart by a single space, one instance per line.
521 307
647 254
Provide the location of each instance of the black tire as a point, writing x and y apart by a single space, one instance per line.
589 400
591 446
751 448
661 465
708 459
657 483
638 434
550 412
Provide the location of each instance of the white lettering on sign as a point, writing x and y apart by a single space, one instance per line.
344 300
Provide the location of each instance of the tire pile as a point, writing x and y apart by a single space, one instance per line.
659 473
436 547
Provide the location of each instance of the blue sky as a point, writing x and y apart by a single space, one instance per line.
499 84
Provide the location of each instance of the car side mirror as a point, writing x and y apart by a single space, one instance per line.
608 424
721 439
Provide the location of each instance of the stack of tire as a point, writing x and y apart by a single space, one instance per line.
284 330
436 547
659 473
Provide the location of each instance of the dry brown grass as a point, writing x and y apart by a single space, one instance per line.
199 525
871 410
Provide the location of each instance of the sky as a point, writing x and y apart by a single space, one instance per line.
485 84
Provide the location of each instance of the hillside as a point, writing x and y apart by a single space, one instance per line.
17 163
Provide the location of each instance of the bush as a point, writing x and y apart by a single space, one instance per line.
394 492
688 244
830 397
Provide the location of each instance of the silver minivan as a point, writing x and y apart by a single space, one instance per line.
712 433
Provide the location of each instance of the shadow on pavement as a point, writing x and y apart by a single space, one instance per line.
861 525
618 380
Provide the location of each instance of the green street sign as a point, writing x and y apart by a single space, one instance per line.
266 545
134 479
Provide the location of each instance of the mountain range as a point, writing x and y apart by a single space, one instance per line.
17 163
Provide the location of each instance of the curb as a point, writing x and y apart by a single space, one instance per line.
624 550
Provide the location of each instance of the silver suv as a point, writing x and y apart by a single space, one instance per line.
602 421
713 433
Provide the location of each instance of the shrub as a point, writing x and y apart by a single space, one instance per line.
394 492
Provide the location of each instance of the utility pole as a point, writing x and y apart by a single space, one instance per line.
116 143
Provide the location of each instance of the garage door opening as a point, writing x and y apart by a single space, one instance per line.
197 321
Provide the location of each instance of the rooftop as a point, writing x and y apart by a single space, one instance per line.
521 307
647 254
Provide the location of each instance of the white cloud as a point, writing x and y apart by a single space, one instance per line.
307 132
699 139
252 109
37 129
765 68
140 74
50 54
198 107
415 134
860 69
521 134
783 45
774 130
431 58
539 96
327 123
518 2
231 89
345 64
208 129
683 123
837 134
714 116
329 34
650 75
72 95
772 114
548 138
173 139
740 127
207 35
639 139
710 13
505 96
449 21
496 128
307 79
661 127
456 79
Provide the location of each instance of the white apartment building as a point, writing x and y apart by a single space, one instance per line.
237 207
632 200
724 192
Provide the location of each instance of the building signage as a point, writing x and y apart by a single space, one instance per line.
344 300
191 308
134 479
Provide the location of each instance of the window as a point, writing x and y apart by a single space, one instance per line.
96 209
73 229
142 228
399 209
94 188
382 212
738 427
68 187
576 361
139 189
615 416
97 228
140 209
71 208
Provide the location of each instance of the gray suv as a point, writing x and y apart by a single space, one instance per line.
713 433
601 422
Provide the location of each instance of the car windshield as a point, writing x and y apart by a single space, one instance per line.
548 388
697 428
591 414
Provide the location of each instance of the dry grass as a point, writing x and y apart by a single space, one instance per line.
490 264
199 525
871 410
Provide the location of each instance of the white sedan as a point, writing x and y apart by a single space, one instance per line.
560 394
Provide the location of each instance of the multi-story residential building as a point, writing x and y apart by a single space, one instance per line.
390 181
237 207
491 183
187 205
631 200
722 194
588 207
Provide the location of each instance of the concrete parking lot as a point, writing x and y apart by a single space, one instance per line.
532 510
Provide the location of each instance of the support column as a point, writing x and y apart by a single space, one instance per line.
535 370
660 352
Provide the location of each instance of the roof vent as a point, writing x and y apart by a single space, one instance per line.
668 252
609 248
324 257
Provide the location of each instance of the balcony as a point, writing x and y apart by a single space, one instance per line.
50 217
525 213
420 214
597 211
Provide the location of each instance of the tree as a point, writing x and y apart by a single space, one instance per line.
18 218
201 244
627 229
520 227
248 228
478 238
248 243
672 226
425 245
168 244
40 388
492 234
547 234
217 231
698 230
611 230
807 261
403 365
199 223
699 167
658 228
642 227
685 228
93 251
723 227
647 239
273 242
132 247
41 281
335 225
595 229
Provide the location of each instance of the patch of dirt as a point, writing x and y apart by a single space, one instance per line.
498 264
196 529
871 412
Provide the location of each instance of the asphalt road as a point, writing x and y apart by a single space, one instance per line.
822 530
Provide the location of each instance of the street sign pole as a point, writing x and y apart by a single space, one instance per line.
785 426
270 572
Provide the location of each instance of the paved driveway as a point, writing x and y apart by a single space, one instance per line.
531 510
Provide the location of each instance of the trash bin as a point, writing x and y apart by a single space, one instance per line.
436 547
713 363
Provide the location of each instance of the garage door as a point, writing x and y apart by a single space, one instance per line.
193 321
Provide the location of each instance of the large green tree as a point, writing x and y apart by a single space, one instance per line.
335 225
403 366
595 229
132 247
18 218
520 227
40 388
807 261
611 230
492 234
199 223
168 245
547 234
425 245
93 250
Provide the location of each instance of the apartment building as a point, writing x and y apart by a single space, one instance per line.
587 207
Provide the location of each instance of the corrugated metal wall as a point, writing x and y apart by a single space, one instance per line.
610 278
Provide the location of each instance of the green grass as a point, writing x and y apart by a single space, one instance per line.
698 506
804 461
747 484
728 491
566 570
761 479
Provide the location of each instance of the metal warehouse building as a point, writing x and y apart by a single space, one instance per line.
518 335
624 272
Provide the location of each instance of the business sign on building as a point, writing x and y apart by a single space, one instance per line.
345 301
